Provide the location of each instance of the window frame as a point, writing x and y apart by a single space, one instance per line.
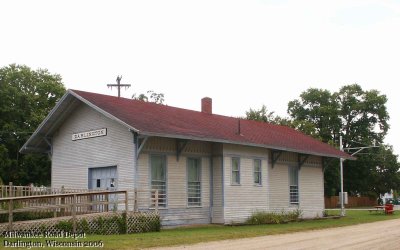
199 172
260 182
234 183
164 205
294 191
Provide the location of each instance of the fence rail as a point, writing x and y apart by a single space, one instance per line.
20 191
333 202
69 204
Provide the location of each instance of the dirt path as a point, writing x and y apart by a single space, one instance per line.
377 235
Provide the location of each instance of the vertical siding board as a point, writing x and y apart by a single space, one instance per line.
217 209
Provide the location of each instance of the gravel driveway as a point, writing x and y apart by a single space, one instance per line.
377 235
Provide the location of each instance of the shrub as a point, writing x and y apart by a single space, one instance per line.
24 216
84 226
66 226
263 217
155 224
121 221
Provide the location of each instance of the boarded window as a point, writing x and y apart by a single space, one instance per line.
159 178
194 182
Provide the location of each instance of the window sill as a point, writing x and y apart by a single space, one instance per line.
159 208
236 184
258 185
194 206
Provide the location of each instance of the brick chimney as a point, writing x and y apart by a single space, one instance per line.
206 105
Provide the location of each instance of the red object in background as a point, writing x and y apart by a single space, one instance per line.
389 209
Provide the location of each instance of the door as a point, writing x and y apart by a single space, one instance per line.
104 178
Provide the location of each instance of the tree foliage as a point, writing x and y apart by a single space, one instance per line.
26 97
360 117
263 115
151 96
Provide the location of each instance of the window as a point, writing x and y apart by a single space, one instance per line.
294 185
257 172
235 170
159 177
193 182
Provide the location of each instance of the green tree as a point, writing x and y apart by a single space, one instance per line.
26 97
382 171
151 96
263 115
358 115
318 109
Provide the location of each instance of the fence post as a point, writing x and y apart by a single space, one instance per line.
10 189
156 196
126 211
126 202
107 202
62 201
10 215
135 201
74 214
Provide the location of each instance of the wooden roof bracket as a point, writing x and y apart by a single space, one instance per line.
301 159
139 141
180 146
275 154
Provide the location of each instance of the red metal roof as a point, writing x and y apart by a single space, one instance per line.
162 120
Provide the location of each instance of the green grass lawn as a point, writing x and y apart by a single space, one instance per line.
191 235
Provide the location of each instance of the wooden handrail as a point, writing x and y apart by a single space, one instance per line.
61 195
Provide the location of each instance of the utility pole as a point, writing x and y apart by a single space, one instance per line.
342 210
119 85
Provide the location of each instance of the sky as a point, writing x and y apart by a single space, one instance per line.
242 54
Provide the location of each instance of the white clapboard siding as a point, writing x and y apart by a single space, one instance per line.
279 187
71 159
182 216
311 185
176 182
244 199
